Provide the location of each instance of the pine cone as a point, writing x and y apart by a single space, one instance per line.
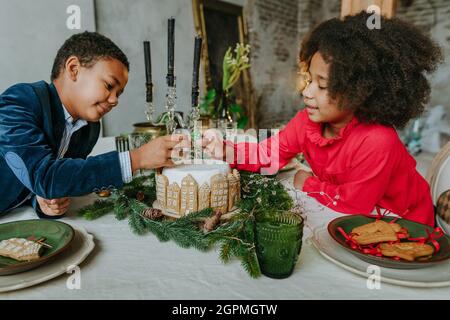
140 196
152 213
212 222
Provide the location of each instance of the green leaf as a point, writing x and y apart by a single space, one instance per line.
226 69
210 95
242 122
236 108
207 105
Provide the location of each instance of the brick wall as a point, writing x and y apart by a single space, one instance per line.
433 16
273 37
276 28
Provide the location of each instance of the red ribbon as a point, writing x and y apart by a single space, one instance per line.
370 249
402 234
349 239
432 236
386 212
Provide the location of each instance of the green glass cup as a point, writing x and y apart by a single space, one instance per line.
278 244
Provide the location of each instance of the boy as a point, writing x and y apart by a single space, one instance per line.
47 130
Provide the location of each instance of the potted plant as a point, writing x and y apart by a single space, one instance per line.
224 105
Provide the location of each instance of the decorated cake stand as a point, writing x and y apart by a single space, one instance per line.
192 187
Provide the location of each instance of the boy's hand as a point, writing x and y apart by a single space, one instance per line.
156 153
53 207
300 177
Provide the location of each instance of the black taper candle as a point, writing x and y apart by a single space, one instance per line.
148 72
170 52
148 62
195 73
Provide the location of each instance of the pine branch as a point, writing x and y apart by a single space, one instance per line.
230 229
186 236
185 231
262 194
194 217
139 181
96 210
156 228
135 220
250 263
225 251
121 208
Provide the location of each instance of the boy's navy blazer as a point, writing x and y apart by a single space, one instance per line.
32 123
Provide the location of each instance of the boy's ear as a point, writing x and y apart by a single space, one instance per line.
72 67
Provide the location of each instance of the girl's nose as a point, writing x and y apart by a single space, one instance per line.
307 92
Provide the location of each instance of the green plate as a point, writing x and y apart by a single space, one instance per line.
57 234
415 230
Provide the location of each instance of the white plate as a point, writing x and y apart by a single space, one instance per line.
443 225
442 181
434 276
441 184
82 245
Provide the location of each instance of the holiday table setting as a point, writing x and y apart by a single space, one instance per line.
123 265
200 230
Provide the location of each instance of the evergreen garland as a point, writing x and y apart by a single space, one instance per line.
235 238
97 209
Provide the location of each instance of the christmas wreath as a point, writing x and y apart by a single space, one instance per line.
202 230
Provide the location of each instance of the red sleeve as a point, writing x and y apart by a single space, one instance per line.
365 182
271 154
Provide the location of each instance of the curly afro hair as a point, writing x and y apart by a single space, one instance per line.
378 73
88 47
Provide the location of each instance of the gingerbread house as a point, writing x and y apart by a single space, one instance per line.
202 186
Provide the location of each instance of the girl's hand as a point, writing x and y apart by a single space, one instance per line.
300 177
53 207
212 144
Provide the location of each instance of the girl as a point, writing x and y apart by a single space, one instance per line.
361 85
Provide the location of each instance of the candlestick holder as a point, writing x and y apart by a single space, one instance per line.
171 119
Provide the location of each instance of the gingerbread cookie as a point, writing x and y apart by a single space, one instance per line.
20 249
374 232
406 250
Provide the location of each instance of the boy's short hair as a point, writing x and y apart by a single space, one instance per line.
88 47
377 73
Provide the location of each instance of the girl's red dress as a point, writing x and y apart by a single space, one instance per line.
364 166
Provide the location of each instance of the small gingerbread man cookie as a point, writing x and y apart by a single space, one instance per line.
374 232
406 250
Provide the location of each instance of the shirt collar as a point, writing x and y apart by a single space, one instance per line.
314 132
77 124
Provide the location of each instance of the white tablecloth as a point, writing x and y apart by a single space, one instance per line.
127 266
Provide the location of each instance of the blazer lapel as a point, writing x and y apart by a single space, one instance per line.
58 120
